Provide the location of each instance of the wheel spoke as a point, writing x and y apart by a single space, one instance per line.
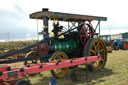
97 44
57 70
86 30
95 47
101 50
93 52
82 35
83 30
84 40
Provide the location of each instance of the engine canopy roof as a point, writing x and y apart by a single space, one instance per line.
65 16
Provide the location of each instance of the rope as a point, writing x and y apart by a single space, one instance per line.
24 59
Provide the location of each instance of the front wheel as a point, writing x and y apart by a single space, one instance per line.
59 56
96 47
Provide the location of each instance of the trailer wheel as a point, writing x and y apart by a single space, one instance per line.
32 54
29 62
59 56
96 47
22 82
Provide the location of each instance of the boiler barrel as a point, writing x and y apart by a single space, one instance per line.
66 46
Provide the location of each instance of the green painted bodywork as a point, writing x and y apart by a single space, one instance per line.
66 46
125 35
46 59
65 16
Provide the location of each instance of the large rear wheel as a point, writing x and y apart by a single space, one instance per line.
96 47
59 56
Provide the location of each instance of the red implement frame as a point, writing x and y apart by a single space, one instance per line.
36 68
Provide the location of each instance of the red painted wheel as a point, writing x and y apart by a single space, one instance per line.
43 49
125 45
86 32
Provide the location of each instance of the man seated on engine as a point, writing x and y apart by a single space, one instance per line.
56 30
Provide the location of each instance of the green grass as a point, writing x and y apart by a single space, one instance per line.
114 73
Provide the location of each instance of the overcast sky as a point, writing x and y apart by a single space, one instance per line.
15 22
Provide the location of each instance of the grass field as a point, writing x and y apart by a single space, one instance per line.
114 73
11 45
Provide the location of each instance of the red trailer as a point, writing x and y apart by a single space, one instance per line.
16 76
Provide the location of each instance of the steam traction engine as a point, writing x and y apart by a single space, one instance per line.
66 43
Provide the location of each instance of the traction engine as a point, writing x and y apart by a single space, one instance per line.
72 42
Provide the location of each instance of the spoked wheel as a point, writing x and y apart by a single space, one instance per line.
96 47
29 62
86 33
22 82
32 54
59 56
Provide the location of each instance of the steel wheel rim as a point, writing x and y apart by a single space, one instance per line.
63 71
98 49
32 54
